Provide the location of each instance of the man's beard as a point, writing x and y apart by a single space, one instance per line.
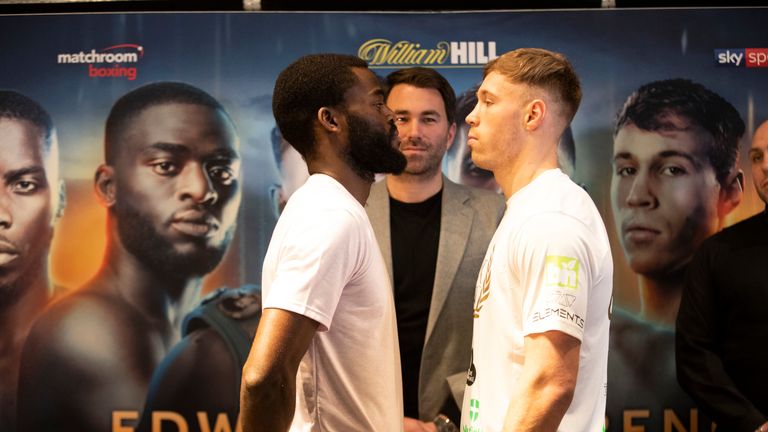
371 151
142 241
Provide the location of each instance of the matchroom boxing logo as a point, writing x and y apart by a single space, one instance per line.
117 61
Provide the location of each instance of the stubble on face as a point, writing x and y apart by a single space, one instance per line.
758 156
664 195
142 240
423 127
177 189
495 134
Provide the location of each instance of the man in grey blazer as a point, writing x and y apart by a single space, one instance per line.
433 234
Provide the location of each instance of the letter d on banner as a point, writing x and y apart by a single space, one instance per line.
159 416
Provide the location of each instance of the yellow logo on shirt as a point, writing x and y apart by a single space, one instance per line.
561 271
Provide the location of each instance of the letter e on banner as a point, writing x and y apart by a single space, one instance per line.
119 416
757 57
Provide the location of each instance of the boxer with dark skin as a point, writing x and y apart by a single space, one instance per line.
170 184
31 199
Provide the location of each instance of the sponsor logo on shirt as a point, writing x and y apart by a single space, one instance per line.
483 289
472 372
558 312
562 272
474 410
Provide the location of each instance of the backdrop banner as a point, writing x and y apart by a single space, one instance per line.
77 66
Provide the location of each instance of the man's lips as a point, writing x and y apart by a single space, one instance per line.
412 149
640 232
195 223
8 252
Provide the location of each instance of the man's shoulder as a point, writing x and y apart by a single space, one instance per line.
474 196
88 327
743 231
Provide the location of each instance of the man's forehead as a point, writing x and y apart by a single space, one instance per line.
367 81
496 83
407 98
22 138
633 140
760 139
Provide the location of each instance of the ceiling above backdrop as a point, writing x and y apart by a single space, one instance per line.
55 6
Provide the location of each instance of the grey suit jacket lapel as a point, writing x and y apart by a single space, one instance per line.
378 213
455 226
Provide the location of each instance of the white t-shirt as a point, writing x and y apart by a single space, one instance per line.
548 267
323 262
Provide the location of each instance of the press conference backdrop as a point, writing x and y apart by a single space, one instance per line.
78 65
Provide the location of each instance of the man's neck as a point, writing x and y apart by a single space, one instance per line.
163 299
356 185
414 188
534 159
660 298
16 319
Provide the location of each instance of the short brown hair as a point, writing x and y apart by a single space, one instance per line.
548 70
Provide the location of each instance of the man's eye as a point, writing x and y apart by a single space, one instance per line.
626 171
222 175
673 171
24 187
164 168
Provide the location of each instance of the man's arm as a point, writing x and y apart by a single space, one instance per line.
546 385
199 374
268 390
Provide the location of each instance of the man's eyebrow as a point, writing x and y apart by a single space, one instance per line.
684 155
12 175
430 113
225 153
167 147
662 155
622 156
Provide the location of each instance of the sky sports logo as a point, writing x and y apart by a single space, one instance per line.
742 57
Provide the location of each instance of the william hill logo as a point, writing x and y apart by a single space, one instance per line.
385 53
117 61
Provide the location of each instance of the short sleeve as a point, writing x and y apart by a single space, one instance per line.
316 260
555 268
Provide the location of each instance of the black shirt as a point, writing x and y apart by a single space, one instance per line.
722 326
415 231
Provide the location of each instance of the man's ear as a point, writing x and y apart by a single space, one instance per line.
731 193
62 201
535 112
328 119
104 184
